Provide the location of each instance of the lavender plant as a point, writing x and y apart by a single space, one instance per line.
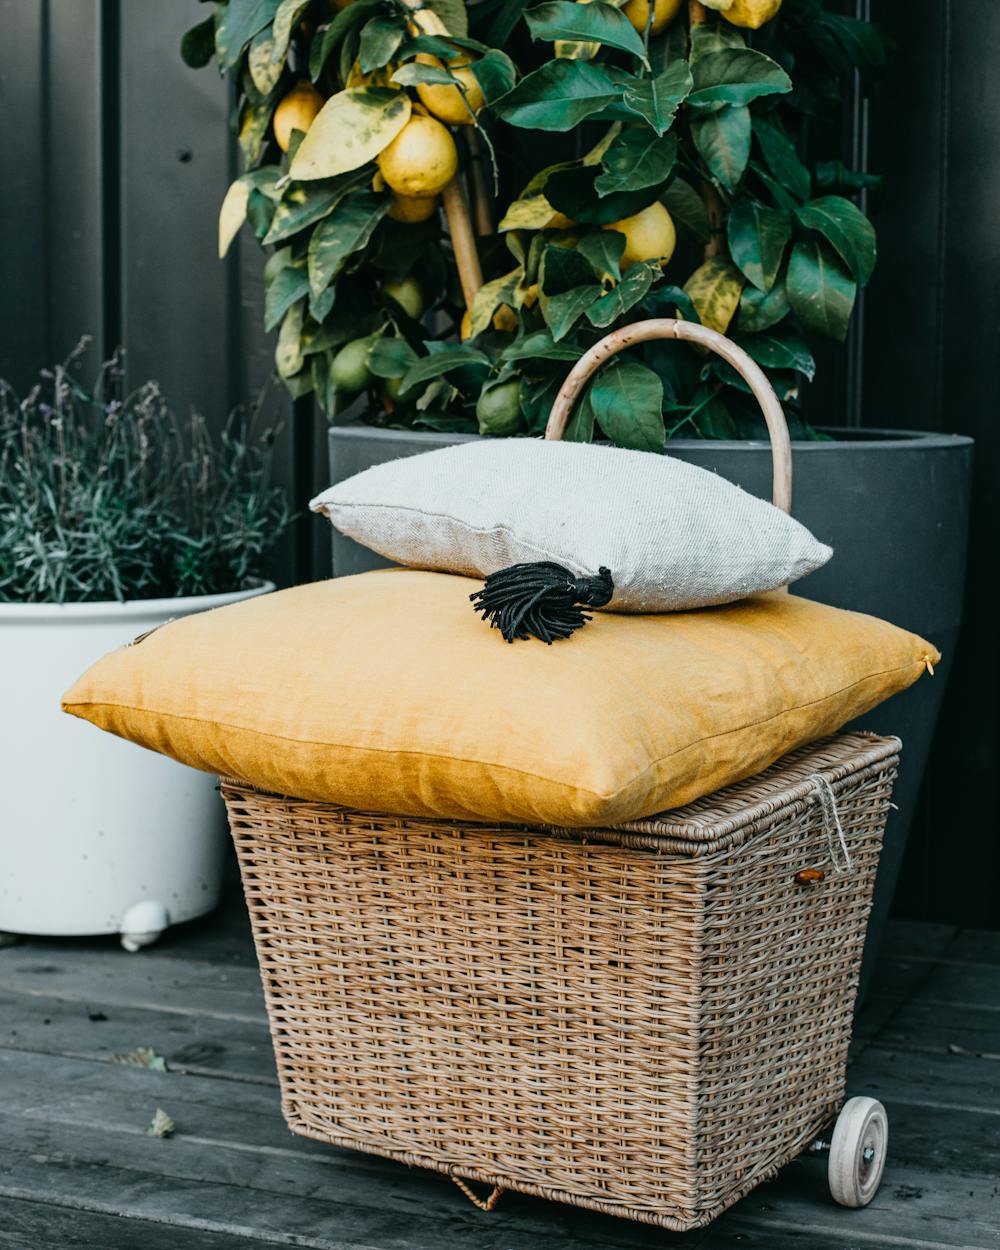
107 494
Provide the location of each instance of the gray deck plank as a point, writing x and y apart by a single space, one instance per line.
96 1029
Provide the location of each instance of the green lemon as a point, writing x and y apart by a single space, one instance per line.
408 294
349 368
499 409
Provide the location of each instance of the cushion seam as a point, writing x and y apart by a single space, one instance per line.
798 707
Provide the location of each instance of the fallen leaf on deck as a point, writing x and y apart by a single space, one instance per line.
142 1057
162 1125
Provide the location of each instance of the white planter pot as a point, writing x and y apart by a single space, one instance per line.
97 835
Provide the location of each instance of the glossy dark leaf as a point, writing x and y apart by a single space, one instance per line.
597 22
237 24
669 301
687 208
539 346
343 232
290 283
657 99
330 37
735 76
616 303
603 250
198 44
782 349
760 310
847 228
391 357
782 159
563 268
723 141
757 239
563 311
572 191
558 96
627 402
380 39
440 363
820 290
496 74
635 160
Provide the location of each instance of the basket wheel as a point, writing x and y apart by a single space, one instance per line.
858 1151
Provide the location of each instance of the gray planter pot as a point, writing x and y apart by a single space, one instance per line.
894 505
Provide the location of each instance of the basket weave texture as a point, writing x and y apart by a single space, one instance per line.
647 1020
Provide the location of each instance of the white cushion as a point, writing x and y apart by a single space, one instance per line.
674 536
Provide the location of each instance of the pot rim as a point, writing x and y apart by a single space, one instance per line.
111 609
873 438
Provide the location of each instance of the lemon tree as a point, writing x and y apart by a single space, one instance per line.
623 159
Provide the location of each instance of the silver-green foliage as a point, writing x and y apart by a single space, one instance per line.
106 494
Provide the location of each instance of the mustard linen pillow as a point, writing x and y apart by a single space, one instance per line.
386 692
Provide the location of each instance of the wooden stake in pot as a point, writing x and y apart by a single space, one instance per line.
427 22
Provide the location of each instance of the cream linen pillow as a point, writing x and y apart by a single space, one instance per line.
674 536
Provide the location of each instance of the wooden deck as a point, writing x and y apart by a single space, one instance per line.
77 1168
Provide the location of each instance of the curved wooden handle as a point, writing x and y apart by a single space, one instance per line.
669 328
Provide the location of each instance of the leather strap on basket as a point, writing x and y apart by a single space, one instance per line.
691 332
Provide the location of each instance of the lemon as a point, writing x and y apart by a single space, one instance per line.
498 409
505 318
751 14
559 221
531 296
421 160
637 12
296 111
649 235
465 326
349 368
446 103
413 208
408 294
377 77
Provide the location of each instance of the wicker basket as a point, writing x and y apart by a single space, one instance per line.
647 1020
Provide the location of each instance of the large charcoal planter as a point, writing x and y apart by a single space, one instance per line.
894 505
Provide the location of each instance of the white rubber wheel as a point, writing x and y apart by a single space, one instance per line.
857 1152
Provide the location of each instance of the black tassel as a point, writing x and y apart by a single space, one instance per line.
540 599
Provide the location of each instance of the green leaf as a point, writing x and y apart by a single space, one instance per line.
237 24
260 210
254 121
235 205
539 346
603 250
558 96
670 301
161 1125
285 21
198 44
757 239
723 142
453 14
380 40
440 363
820 291
343 232
736 76
563 311
760 310
496 74
304 203
656 99
635 160
714 289
599 22
622 297
264 71
391 357
781 158
782 350
288 356
289 284
782 198
580 427
712 37
563 268
330 37
350 129
572 191
490 296
860 41
321 305
412 75
627 402
834 176
847 228
687 208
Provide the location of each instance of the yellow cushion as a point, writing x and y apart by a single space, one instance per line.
385 691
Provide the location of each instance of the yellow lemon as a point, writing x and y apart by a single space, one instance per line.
531 296
297 111
445 102
421 160
559 221
465 328
377 77
637 12
505 318
649 235
413 208
751 14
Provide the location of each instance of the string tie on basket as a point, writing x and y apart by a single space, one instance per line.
831 823
540 600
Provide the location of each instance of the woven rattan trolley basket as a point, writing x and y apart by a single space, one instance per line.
645 1020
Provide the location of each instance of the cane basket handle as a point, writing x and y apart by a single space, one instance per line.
691 332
